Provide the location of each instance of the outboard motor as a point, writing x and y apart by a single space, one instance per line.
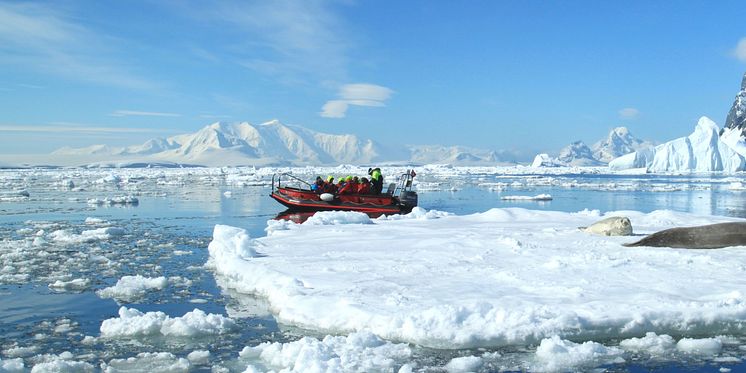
408 199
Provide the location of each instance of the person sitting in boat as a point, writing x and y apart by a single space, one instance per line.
376 180
318 185
329 186
350 186
364 186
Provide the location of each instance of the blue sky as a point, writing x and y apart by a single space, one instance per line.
522 75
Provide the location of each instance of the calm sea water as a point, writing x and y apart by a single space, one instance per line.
177 212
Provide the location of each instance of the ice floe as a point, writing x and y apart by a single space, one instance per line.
118 200
540 197
357 352
148 362
129 288
504 276
133 323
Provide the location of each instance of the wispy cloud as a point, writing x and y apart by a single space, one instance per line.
47 40
132 113
629 113
740 50
64 127
214 116
291 41
360 94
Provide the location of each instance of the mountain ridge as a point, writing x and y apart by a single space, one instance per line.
273 143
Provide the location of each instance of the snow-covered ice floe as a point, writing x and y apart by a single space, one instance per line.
501 277
118 200
539 197
133 323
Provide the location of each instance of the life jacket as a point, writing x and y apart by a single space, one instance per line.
363 188
349 188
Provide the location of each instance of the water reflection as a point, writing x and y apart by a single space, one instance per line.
300 217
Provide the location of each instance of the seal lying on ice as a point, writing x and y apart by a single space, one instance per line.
613 226
713 236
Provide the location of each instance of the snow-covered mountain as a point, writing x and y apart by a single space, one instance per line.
274 143
456 155
701 151
619 142
734 131
578 154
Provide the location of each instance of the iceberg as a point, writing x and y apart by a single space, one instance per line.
702 151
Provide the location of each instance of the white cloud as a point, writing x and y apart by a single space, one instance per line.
128 113
740 50
46 40
629 113
359 94
334 109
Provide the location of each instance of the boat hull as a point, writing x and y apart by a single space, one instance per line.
305 200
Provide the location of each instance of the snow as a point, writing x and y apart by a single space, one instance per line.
133 323
702 151
155 362
129 288
100 234
539 197
78 284
357 352
199 357
464 364
706 346
12 365
651 343
501 277
60 363
558 355
619 142
118 200
544 160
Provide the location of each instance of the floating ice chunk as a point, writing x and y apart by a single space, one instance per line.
338 217
555 354
199 357
111 179
20 352
12 365
464 364
231 241
94 221
358 352
119 200
77 284
156 362
651 343
540 197
129 288
704 346
60 363
133 323
101 234
736 186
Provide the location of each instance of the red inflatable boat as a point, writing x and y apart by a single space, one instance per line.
299 197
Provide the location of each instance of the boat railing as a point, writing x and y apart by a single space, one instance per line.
277 180
404 183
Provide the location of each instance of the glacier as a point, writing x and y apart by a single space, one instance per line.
701 151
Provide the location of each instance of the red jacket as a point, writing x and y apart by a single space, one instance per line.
363 188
